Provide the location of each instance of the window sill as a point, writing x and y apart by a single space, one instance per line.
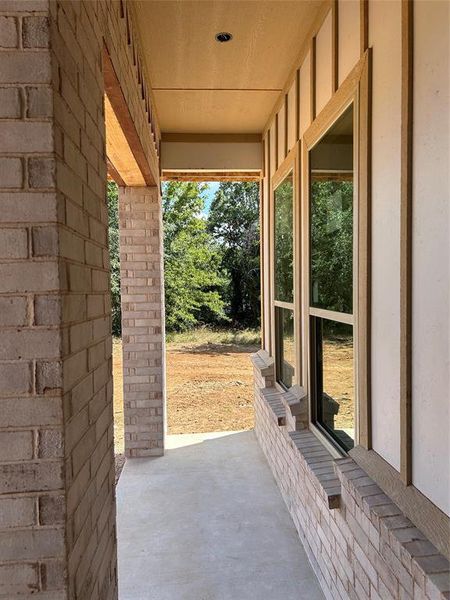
323 439
263 362
273 400
321 465
313 453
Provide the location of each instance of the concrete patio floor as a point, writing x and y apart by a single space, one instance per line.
207 522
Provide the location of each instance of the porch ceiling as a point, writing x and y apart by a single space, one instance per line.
202 86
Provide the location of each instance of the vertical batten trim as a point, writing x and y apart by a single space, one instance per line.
335 46
286 126
297 105
127 22
364 25
277 141
268 242
262 203
364 259
312 66
406 244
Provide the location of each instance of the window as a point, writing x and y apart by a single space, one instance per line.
285 342
284 240
331 304
283 281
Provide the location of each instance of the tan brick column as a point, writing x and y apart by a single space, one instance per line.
57 504
141 268
32 474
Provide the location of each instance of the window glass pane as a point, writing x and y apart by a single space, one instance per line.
285 346
284 253
331 209
334 387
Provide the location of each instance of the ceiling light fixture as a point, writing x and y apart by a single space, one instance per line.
223 37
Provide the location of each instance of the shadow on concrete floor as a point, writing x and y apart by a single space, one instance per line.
207 522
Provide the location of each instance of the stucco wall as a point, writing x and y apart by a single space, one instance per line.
385 37
431 250
323 63
431 421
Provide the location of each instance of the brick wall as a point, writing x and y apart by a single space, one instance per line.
57 506
32 475
364 550
79 134
142 320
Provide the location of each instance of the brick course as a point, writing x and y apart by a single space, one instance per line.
365 549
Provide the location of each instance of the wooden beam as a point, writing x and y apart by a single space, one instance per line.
114 174
212 138
168 175
121 110
118 150
406 244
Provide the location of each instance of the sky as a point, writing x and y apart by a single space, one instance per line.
213 186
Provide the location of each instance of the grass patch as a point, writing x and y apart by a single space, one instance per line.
206 335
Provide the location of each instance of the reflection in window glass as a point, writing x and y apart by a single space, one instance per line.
335 390
285 356
331 205
284 254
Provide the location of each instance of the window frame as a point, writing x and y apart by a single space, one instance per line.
332 315
289 165
355 90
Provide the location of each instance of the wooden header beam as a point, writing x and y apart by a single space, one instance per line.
168 175
129 159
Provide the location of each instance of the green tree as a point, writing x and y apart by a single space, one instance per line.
113 234
193 279
332 245
234 222
284 241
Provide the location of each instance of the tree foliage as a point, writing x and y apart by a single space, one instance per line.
211 262
234 222
284 241
332 245
113 234
192 262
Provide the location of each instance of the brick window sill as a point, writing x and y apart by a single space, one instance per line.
312 453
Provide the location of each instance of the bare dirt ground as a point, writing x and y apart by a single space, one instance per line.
118 396
338 380
209 382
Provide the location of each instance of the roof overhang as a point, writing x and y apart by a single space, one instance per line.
202 86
